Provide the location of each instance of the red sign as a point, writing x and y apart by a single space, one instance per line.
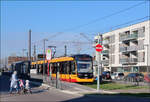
99 48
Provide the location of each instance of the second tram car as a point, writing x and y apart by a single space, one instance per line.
22 68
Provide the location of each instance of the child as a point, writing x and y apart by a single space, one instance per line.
27 87
21 84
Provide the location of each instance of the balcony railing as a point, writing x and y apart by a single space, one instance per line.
129 48
132 48
123 49
128 37
128 60
105 62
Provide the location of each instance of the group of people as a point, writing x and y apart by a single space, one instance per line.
14 84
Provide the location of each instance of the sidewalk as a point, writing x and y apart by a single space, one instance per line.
74 88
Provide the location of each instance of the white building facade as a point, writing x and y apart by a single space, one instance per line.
126 49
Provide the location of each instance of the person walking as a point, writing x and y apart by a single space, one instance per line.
14 82
21 84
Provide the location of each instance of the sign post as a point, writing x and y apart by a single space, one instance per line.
99 48
48 54
48 57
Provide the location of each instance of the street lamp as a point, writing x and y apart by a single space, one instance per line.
147 45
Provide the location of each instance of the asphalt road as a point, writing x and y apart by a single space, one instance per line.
41 94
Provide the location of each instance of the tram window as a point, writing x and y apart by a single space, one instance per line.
60 70
55 67
52 67
65 68
40 68
72 67
45 68
49 68
24 68
33 67
21 69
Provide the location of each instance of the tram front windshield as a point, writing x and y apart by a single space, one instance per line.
84 66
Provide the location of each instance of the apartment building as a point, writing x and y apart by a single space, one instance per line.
126 49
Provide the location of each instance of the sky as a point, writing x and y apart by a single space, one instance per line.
61 22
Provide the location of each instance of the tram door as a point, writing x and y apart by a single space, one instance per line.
72 71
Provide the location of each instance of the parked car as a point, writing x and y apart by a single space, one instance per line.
147 78
133 77
117 76
106 75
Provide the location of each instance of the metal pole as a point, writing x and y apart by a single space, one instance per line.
99 64
29 57
98 73
57 76
35 58
65 50
101 40
34 52
44 59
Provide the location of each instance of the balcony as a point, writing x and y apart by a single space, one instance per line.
123 49
132 48
105 62
128 60
128 37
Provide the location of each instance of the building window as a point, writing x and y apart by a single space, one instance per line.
143 29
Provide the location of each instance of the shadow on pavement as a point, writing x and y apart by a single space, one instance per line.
123 97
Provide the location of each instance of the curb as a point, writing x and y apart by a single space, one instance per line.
73 92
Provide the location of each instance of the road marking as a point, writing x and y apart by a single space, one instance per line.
110 92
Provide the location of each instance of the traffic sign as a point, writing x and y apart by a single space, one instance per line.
48 54
99 48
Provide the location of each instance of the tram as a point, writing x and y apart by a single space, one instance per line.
22 68
75 68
